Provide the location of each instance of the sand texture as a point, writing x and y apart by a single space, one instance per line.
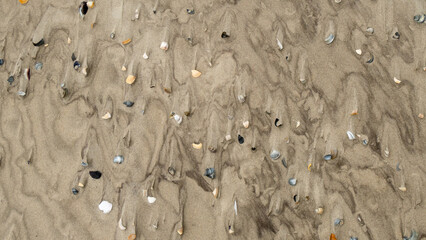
213 119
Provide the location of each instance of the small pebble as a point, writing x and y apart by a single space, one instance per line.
10 80
240 139
292 181
84 164
128 103
95 174
38 66
105 207
118 159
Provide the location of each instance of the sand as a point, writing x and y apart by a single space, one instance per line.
277 86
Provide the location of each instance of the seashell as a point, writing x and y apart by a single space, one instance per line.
128 103
284 162
274 154
84 71
280 45
73 58
195 73
81 185
120 225
351 136
292 181
386 152
398 167
145 56
296 199
131 236
396 35
319 210
105 207
353 238
127 41
23 1
112 35
46 45
177 117
197 145
118 159
22 93
413 236
329 39
10 80
370 58
215 192
1 61
309 167
297 124
337 1
241 98
210 173
38 66
90 4
235 207
421 115
180 231
246 124
228 137
397 81
171 171
190 11
370 30
137 14
95 174
278 122
338 222
130 79
402 188
333 237
74 191
39 43
240 139
106 116
358 51
76 65
420 18
224 35
123 68
83 8
164 46
331 155
151 199
230 229
354 112
211 149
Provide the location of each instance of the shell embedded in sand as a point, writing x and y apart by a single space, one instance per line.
333 237
396 80
90 4
106 116
228 137
331 155
151 199
23 1
402 188
180 231
297 124
246 124
309 167
351 136
195 73
319 210
127 41
197 145
215 192
329 39
130 79
131 237
84 71
164 46
337 1
69 41
145 56
421 115
105 207
358 51
120 225
81 185
338 222
280 45
354 112
274 154
118 159
177 117
292 181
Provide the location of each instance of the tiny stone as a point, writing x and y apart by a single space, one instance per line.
10 80
84 164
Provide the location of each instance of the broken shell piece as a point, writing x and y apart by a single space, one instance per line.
105 207
297 124
331 155
358 51
112 35
171 171
84 71
123 68
395 34
164 46
95 174
370 59
127 41
337 1
228 137
76 65
278 122
280 45
354 112
106 116
128 103
69 41
292 181
402 188
151 199
215 192
241 98
421 115
177 118
210 173
195 73
240 139
145 56
231 230
81 185
420 18
370 30
329 39
397 81
274 154
74 191
130 79
180 231
23 1
338 222
118 159
386 152
131 237
120 225
319 210
351 136
246 124
333 237
90 4
197 145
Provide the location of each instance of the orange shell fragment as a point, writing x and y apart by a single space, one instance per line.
354 112
333 237
126 41
131 237
23 1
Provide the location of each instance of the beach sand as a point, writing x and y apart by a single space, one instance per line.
260 91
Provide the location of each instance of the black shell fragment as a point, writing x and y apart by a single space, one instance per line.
95 174
240 139
83 7
10 80
74 191
128 103
210 173
41 42
224 35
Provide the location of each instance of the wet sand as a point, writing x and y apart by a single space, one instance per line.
329 95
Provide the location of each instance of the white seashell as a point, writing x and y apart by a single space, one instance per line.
358 51
69 40
329 39
152 199
319 210
228 137
246 124
396 80
297 124
123 68
280 45
215 192
177 118
241 98
402 188
337 1
164 46
120 225
145 56
81 185
351 136
197 145
235 207
106 116
386 152
105 207
84 71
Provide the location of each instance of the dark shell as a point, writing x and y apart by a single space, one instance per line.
128 103
397 167
95 174
76 65
84 164
84 8
277 122
190 11
420 18
73 58
1 62
210 173
10 80
240 139
74 191
171 171
296 198
224 35
338 222
371 59
253 149
41 42
354 238
396 35
284 162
